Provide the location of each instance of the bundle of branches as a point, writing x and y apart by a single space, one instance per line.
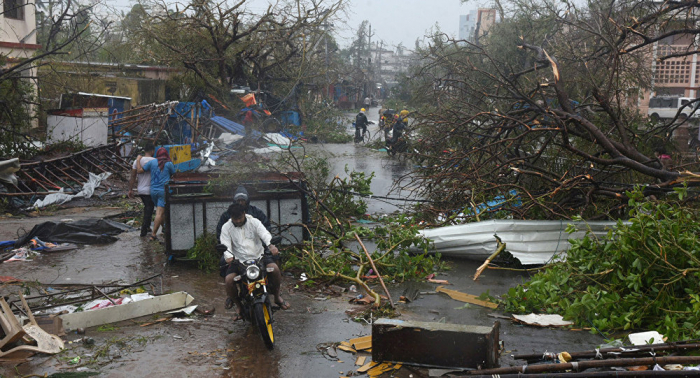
324 258
644 275
545 105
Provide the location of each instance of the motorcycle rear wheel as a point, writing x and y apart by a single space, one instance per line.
263 320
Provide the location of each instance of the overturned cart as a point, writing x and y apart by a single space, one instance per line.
191 210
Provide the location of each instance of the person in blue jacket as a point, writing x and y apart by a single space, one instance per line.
161 169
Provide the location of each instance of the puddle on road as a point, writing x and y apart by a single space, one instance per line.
129 259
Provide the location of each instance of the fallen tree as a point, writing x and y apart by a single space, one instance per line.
546 105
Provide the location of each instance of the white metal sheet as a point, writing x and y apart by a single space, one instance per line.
531 242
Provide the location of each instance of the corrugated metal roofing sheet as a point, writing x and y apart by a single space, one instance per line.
531 242
233 127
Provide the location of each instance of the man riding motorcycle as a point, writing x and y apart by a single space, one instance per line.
243 236
241 197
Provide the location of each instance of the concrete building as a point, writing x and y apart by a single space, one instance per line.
389 63
467 25
143 84
18 36
476 24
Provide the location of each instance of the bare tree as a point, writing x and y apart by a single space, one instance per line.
225 44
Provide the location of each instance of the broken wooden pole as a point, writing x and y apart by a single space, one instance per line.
375 269
604 374
435 344
583 365
501 247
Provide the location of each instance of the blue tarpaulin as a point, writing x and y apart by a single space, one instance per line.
233 127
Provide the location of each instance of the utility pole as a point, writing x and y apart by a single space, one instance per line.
368 84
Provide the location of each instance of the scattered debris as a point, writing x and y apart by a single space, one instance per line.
66 174
617 352
646 338
85 231
543 320
15 333
463 297
130 310
583 365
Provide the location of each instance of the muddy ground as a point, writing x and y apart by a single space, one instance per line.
216 346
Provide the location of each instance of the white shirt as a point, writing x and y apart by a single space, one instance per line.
144 179
244 243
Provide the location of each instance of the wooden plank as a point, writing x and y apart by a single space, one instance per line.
363 345
360 360
464 297
364 368
380 369
112 314
360 339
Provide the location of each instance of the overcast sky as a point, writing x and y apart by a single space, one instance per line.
393 21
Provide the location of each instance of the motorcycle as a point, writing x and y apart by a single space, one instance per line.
253 295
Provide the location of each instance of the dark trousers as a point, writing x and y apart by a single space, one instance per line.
148 207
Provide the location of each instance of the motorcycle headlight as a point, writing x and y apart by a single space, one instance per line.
252 272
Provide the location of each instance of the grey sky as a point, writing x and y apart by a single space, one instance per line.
402 21
394 21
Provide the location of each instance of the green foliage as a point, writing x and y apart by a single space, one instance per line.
644 275
342 198
107 328
204 251
322 122
391 255
16 95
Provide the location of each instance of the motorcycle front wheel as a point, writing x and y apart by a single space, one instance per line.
263 320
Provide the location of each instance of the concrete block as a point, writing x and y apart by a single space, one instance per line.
435 344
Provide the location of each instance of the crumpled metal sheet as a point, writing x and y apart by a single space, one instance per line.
7 171
60 197
531 242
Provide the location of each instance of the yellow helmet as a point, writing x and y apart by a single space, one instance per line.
404 113
362 110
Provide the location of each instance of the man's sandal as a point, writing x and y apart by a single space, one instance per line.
284 305
229 303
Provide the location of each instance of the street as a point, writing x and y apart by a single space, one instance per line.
216 346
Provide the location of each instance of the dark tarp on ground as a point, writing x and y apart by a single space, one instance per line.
86 231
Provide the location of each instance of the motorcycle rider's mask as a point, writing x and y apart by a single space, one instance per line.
240 221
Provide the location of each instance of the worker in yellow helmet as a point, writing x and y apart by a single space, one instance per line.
404 116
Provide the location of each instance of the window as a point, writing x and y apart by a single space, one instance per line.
13 9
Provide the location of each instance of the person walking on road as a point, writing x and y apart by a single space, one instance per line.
161 169
143 189
368 102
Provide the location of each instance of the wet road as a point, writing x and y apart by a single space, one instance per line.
360 158
216 346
